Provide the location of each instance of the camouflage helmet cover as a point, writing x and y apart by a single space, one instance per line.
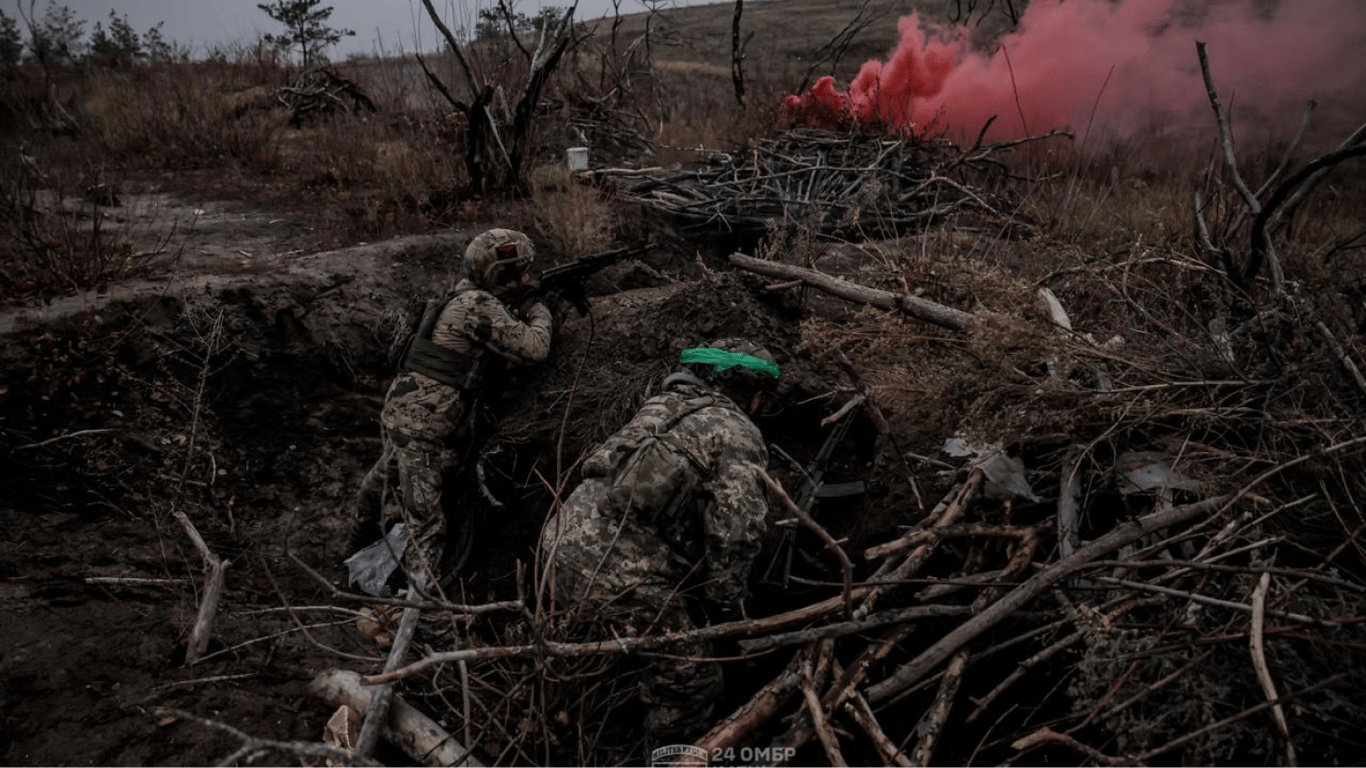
497 258
752 374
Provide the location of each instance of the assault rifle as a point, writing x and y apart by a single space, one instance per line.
812 490
567 279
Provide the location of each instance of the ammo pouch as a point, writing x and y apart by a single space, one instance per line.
424 356
453 369
658 476
654 482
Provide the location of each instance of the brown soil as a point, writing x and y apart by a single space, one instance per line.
285 426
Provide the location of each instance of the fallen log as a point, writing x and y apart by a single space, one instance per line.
921 309
416 734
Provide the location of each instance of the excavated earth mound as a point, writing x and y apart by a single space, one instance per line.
250 402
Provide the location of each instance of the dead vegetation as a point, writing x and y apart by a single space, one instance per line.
1106 458
851 185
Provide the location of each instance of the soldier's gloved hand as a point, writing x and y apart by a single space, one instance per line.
537 312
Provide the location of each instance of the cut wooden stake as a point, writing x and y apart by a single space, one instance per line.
754 712
824 732
858 709
215 571
912 672
810 523
846 684
640 643
384 694
853 403
1020 671
958 501
1258 648
843 628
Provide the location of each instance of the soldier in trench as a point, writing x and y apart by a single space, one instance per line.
429 406
668 521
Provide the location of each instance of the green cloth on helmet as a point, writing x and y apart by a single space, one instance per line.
724 359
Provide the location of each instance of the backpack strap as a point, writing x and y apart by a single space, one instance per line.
424 356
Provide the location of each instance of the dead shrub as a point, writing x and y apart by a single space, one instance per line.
55 243
178 116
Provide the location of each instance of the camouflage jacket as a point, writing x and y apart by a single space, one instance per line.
475 323
673 497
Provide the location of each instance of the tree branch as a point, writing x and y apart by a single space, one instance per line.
455 46
912 672
1249 199
930 312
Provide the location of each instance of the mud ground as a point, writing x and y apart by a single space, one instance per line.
244 390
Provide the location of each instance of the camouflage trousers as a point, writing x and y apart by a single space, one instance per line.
419 464
679 689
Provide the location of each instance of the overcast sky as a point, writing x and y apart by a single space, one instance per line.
204 23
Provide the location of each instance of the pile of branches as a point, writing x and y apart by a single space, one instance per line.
1165 564
321 91
839 184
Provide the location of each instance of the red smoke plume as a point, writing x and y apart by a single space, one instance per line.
1131 62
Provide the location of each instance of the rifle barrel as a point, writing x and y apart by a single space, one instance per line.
587 265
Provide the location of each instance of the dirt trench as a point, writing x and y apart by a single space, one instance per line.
250 402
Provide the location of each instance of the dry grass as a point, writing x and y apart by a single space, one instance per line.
402 171
785 32
183 116
572 216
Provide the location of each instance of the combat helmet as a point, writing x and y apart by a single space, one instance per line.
497 258
733 362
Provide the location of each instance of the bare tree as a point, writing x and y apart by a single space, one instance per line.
552 40
834 49
1270 203
737 54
